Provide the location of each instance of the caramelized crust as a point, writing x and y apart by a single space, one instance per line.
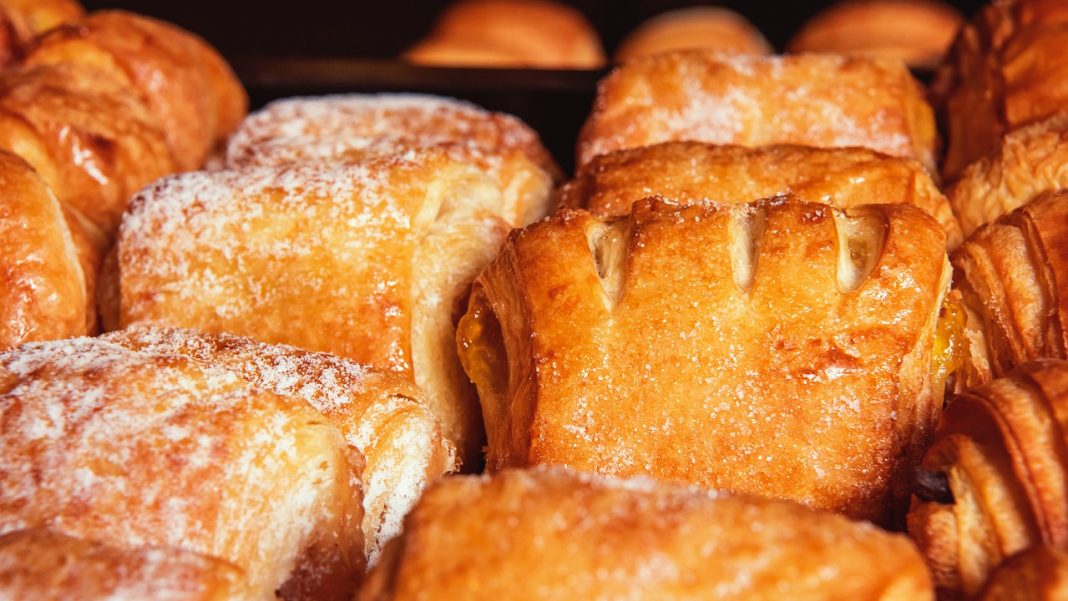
47 566
379 413
550 534
777 348
134 448
41 15
709 27
808 99
999 456
692 171
1038 574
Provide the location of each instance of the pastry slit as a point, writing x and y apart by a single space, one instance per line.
860 246
608 247
746 228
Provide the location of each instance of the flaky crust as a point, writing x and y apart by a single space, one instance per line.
41 15
379 413
553 534
808 99
785 348
48 566
1038 574
710 27
1002 484
693 171
135 449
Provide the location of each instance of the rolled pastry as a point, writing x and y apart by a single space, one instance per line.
808 99
776 348
135 448
1038 574
550 534
710 27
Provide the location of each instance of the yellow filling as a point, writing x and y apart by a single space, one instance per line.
481 347
947 353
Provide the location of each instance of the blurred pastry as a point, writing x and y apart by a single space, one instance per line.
777 348
135 448
692 171
550 534
918 32
810 99
709 27
510 33
1038 574
22 20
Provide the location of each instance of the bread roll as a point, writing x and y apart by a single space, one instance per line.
1038 574
777 348
134 448
708 27
550 534
810 99
692 171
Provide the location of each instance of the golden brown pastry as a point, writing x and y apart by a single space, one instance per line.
135 448
22 20
510 33
1006 70
379 413
776 348
1025 163
45 565
183 81
370 261
918 32
708 27
358 127
995 481
1038 574
810 99
692 171
551 534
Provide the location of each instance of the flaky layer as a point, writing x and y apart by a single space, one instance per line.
1038 574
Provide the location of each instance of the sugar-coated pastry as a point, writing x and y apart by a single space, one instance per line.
1037 574
708 27
370 260
995 481
44 565
918 32
134 448
552 534
379 413
693 171
1024 164
777 348
1007 69
183 81
510 33
808 99
358 126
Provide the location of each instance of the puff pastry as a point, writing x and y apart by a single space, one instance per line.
371 259
692 171
48 566
552 534
379 413
995 481
1038 574
710 27
133 448
807 99
785 348
22 20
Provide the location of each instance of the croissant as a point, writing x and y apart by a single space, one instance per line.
48 566
1013 277
994 482
807 99
787 348
134 448
1038 574
380 414
551 534
692 171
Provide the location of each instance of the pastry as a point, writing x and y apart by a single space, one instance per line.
708 27
48 566
692 171
370 260
994 482
22 20
379 413
1038 574
1006 70
135 448
918 32
776 348
510 33
1025 163
550 534
809 99
187 86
